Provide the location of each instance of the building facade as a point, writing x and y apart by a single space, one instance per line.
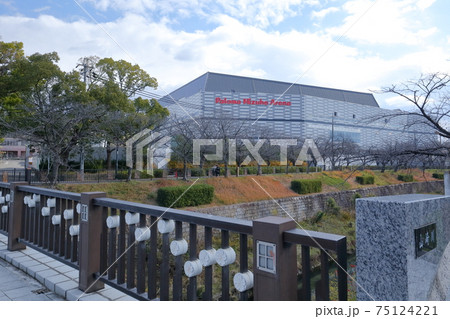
12 148
299 111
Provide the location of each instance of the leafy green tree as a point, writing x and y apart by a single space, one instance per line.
9 54
130 78
60 111
119 125
116 83
48 108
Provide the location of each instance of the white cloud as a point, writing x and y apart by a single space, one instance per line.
322 13
260 13
383 22
425 4
46 8
237 47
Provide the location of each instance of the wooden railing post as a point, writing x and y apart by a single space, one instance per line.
274 261
15 217
90 236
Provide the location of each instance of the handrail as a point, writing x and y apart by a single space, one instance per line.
4 185
313 239
50 192
225 223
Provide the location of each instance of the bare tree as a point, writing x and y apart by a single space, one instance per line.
430 97
228 130
183 132
337 150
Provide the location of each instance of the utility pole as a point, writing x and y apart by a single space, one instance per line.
85 70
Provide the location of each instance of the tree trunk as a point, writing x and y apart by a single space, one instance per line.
184 170
227 170
109 151
82 164
130 171
55 171
117 163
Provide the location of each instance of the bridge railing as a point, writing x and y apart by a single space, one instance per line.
152 252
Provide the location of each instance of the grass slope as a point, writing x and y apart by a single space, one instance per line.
234 190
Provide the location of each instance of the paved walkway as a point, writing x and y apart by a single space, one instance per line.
29 275
17 285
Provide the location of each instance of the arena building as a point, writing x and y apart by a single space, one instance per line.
289 110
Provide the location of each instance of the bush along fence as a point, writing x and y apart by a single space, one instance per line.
141 250
101 175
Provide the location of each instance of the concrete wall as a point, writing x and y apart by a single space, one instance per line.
306 206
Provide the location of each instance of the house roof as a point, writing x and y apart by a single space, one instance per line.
217 82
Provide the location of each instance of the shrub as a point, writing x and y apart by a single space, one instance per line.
405 177
354 198
196 195
292 169
197 172
365 180
331 207
318 217
306 186
438 175
145 175
158 173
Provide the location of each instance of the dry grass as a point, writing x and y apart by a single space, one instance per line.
234 190
246 189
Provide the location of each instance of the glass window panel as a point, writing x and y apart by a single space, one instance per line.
269 264
270 251
262 250
262 262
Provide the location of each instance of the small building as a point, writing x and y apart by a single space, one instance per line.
12 148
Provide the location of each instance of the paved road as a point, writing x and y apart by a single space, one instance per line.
16 285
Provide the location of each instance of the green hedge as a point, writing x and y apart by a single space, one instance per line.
197 172
438 175
306 186
196 195
158 173
405 177
365 180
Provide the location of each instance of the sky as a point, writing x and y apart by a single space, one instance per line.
358 45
